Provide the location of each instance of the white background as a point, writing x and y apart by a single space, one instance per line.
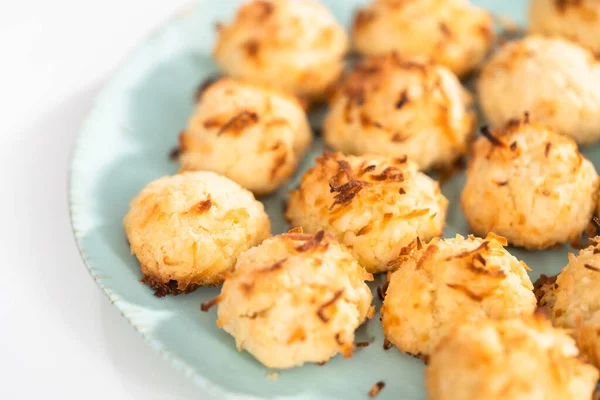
59 336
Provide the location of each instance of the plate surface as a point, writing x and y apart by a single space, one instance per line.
124 144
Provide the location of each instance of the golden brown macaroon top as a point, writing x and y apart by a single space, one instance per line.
295 298
524 140
375 74
257 281
524 358
475 261
511 54
271 17
244 117
450 32
566 5
441 284
348 181
446 31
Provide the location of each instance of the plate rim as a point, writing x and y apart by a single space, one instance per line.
208 387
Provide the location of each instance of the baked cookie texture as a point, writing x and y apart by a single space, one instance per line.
449 282
253 135
374 205
294 299
514 359
555 80
530 185
453 33
577 20
187 230
574 299
394 106
294 45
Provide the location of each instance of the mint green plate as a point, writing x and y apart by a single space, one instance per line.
124 144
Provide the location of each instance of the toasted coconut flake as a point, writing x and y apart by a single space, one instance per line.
418 242
390 174
213 122
401 160
276 266
496 273
311 243
346 192
525 265
376 389
367 169
402 100
591 267
414 214
479 258
500 239
202 206
463 289
207 305
239 122
252 47
299 236
405 252
511 124
429 253
346 168
364 230
320 312
547 149
297 229
487 133
482 246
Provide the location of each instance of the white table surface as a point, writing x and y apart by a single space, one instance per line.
59 336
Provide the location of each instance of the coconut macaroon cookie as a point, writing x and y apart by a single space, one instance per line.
392 106
529 184
449 282
374 205
451 32
294 45
187 230
515 359
556 80
578 20
296 298
574 298
253 135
